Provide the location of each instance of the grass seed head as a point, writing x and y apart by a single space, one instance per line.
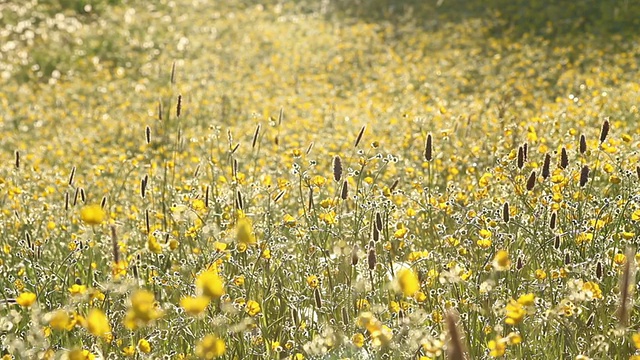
337 168
604 131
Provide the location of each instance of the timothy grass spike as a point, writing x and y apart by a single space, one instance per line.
604 131
428 148
337 168
255 136
71 176
564 158
179 106
584 175
505 212
359 137
531 182
546 171
345 190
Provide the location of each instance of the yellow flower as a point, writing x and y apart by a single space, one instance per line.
80 354
515 313
497 347
77 289
358 340
394 307
362 304
289 220
210 347
252 308
144 346
420 297
129 351
484 243
97 323
400 233
526 299
26 299
143 310
244 232
238 280
501 260
313 281
59 320
194 305
318 181
408 282
210 284
119 269
153 245
593 288
619 259
636 340
92 214
635 216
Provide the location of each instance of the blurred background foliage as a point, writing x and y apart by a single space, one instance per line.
44 38
550 19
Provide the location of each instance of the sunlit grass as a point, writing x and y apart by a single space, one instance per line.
199 180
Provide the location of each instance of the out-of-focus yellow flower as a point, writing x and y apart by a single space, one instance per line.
497 347
153 245
92 214
244 232
210 347
143 310
97 323
80 354
501 260
358 340
593 289
26 299
289 220
195 305
210 284
78 289
59 320
408 282
636 340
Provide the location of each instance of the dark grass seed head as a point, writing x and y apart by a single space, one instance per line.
428 148
520 161
337 168
584 176
604 131
345 190
505 212
531 182
546 171
359 137
564 158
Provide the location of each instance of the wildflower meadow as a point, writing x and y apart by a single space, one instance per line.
331 179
